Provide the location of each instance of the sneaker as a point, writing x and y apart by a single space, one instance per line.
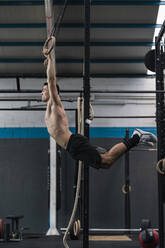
146 138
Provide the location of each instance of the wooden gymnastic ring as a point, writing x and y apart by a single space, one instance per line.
79 225
124 191
161 171
75 230
45 50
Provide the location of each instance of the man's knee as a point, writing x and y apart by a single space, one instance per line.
106 161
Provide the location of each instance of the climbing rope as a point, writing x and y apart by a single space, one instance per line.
80 106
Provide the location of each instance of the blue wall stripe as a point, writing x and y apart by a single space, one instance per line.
69 60
81 25
24 132
115 132
63 43
95 132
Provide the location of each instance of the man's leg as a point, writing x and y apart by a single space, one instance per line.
108 158
139 136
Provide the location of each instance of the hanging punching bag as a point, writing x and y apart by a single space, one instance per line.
149 60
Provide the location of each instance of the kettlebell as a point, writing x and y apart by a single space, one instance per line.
148 237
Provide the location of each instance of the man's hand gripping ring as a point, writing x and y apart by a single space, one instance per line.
46 51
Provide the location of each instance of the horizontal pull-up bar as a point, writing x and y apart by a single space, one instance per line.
20 100
30 109
73 109
9 99
92 91
112 230
128 91
123 117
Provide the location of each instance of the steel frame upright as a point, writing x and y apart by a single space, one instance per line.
49 14
127 206
160 120
86 91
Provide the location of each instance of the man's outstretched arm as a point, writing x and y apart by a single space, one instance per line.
51 75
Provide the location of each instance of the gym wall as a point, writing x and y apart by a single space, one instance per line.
106 197
24 145
23 177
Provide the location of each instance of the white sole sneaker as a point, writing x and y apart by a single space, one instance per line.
146 138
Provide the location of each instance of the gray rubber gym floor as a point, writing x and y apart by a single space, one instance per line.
56 242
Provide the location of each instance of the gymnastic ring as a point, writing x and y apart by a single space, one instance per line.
75 228
45 50
74 231
124 190
79 225
161 171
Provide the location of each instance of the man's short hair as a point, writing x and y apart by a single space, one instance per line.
57 86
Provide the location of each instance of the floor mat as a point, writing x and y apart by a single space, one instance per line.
110 238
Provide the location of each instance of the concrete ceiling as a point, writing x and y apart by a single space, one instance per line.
121 34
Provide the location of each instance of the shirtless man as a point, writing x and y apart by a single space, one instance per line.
77 145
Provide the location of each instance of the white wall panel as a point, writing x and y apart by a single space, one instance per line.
103 104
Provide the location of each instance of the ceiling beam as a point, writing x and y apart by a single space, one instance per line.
79 2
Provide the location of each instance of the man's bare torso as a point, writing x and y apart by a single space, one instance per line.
57 124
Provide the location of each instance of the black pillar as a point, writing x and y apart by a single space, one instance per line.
160 121
86 85
127 189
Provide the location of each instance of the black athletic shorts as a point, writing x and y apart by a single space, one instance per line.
80 149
